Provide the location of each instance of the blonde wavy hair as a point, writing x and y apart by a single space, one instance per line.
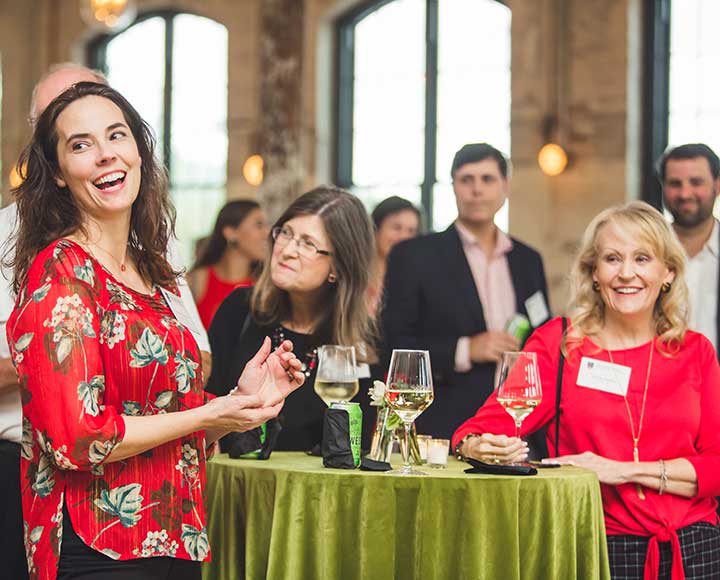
649 228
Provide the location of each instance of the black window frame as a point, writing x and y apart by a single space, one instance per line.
656 86
345 42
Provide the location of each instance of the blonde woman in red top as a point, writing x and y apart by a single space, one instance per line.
232 256
115 418
653 440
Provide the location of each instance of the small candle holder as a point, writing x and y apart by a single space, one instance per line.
437 453
423 441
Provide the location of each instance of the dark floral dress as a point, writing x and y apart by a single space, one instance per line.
89 350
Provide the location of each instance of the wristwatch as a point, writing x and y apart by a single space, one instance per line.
459 446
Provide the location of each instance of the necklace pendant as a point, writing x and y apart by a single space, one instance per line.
640 492
636 454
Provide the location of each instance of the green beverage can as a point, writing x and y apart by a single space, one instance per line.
355 420
519 327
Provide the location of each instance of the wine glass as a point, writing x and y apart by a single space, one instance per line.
409 392
336 379
518 385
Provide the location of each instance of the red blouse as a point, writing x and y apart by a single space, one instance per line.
215 292
682 419
89 350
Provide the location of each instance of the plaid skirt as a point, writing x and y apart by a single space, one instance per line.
699 543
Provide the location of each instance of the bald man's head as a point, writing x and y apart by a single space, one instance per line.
59 78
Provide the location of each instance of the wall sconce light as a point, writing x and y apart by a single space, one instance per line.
253 170
108 14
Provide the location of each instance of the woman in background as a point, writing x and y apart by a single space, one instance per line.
395 219
312 291
231 257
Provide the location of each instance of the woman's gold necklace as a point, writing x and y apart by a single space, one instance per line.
121 264
636 437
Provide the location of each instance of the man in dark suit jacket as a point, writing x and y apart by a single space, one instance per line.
454 292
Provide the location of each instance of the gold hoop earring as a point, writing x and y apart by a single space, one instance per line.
666 287
596 286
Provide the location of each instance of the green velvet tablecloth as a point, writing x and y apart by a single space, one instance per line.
290 518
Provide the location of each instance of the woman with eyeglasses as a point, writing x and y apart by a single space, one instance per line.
312 291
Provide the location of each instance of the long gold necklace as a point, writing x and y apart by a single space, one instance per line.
636 436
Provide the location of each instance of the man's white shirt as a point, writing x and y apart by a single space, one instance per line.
10 405
702 280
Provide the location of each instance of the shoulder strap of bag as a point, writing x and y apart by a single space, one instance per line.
558 388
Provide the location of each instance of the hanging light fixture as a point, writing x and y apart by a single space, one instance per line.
108 14
553 159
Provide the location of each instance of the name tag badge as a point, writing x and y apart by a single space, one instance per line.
177 306
537 309
604 376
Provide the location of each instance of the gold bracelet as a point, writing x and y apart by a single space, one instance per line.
663 478
459 446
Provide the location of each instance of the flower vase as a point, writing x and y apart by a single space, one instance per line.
384 434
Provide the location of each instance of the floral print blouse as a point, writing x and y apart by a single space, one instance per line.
89 350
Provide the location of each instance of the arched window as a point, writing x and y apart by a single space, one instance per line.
173 67
418 79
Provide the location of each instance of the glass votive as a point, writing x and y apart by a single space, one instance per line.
422 441
437 453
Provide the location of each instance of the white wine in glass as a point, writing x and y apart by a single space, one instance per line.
409 392
518 388
336 379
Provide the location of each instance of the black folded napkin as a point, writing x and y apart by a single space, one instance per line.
336 450
499 469
236 445
367 464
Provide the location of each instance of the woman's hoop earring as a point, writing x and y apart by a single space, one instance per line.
596 286
332 278
666 287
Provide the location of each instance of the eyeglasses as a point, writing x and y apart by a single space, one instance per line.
282 236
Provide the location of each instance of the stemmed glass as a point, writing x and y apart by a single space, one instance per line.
518 385
409 392
336 379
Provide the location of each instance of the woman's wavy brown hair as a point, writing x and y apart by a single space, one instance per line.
649 227
345 319
48 212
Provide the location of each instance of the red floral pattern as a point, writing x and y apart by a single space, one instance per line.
88 350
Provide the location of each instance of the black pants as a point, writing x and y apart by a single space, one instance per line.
12 550
80 562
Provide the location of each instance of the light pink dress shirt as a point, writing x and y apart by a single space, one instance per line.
494 285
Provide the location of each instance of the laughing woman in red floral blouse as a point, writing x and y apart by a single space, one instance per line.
116 421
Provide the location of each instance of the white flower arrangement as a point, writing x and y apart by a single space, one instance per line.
377 394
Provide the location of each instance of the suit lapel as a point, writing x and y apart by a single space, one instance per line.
454 255
516 274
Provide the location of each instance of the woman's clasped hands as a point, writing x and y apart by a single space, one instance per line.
498 449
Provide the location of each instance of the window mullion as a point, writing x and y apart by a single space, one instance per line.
431 70
167 94
346 96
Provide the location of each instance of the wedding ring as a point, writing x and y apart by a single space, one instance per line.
495 459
